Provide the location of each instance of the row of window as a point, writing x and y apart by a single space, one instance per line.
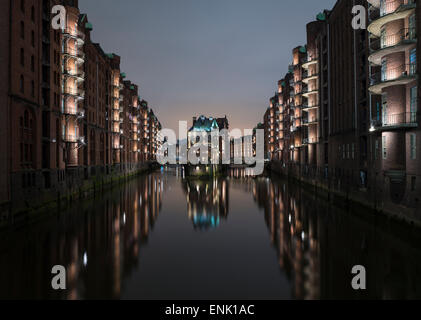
412 147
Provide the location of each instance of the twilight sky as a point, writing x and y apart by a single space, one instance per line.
211 57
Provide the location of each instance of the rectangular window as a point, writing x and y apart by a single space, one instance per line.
414 104
413 183
376 149
353 151
413 144
343 152
384 109
384 70
384 146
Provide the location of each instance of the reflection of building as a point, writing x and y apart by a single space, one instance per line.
294 234
207 202
98 242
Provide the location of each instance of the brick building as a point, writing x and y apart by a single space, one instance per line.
349 106
69 114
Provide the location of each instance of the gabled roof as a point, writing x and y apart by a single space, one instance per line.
205 124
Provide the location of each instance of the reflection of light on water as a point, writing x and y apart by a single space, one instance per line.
289 218
205 221
85 259
124 218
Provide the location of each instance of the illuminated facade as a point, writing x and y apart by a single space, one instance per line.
71 115
348 107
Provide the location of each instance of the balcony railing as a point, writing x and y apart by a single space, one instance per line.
307 75
390 74
306 106
397 120
74 92
70 138
310 141
404 35
74 53
75 74
74 33
388 7
311 120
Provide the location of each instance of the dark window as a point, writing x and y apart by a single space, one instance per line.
32 63
22 57
22 6
22 30
33 14
32 88
22 84
33 38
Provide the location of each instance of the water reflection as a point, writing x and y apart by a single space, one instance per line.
207 202
318 244
113 245
98 241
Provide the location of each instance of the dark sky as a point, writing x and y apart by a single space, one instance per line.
211 57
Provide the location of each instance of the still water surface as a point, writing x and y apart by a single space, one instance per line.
163 237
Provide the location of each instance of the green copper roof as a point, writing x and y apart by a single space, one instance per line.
110 55
123 75
303 49
205 124
88 26
131 87
321 17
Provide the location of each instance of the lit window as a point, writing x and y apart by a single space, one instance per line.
413 143
384 146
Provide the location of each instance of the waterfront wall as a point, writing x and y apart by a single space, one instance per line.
64 186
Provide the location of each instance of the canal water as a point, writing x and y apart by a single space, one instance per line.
161 236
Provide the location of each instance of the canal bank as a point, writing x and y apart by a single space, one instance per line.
75 185
341 192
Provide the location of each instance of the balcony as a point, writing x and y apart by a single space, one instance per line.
309 62
77 75
307 141
75 34
310 121
308 92
396 122
306 107
401 75
390 11
74 92
398 42
75 54
71 138
308 77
